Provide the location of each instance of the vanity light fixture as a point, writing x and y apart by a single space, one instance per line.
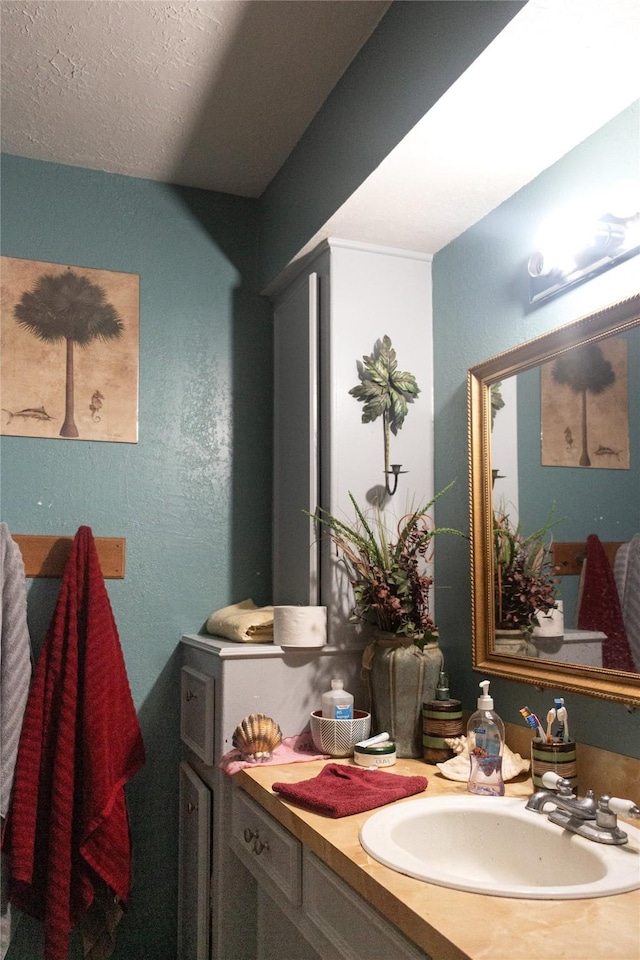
576 244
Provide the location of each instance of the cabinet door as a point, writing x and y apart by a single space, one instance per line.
295 455
196 713
353 928
279 938
271 853
194 882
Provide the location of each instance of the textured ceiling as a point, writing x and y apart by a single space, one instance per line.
216 95
196 92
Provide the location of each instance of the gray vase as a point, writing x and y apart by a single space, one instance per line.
401 678
514 643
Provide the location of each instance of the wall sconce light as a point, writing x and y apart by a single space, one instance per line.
575 246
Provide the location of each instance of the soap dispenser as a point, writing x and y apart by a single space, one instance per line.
441 721
485 739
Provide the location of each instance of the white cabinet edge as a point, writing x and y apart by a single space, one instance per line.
229 650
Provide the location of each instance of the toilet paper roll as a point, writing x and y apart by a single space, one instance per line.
550 624
300 626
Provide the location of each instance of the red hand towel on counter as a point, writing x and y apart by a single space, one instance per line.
80 744
339 791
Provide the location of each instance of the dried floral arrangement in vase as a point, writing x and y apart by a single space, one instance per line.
389 577
391 586
523 577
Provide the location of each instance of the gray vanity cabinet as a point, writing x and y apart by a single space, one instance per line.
195 859
305 911
222 682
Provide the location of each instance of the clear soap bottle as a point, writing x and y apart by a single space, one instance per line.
485 739
337 704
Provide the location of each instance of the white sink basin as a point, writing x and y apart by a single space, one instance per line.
492 845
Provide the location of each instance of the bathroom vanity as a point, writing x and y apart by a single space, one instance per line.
260 878
222 682
440 923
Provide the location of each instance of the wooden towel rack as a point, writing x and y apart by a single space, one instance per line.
45 556
567 558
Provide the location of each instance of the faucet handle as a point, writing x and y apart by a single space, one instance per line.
622 808
607 816
553 781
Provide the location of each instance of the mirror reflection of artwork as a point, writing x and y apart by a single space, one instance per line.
585 408
69 352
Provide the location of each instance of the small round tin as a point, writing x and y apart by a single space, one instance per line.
377 755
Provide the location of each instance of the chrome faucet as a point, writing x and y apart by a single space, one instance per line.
588 818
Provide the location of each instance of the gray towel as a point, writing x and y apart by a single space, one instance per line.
15 678
15 659
627 576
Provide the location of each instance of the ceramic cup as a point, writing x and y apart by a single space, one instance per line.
558 756
338 737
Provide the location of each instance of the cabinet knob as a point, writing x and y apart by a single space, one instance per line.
191 806
191 695
258 844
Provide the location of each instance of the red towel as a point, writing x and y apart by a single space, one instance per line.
339 791
80 744
599 607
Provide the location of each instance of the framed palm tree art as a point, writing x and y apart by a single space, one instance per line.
585 406
70 352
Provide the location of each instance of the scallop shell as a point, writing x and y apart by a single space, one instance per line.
457 744
256 737
458 767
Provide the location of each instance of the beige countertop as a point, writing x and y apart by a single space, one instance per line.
451 924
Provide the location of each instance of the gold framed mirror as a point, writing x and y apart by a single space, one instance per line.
619 319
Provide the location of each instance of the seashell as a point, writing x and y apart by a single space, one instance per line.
256 737
513 764
457 744
458 767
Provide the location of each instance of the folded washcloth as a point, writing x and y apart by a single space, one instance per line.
291 750
243 622
339 791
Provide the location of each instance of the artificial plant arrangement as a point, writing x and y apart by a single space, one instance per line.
391 584
523 581
388 573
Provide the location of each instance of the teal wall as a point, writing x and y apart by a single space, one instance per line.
480 303
192 497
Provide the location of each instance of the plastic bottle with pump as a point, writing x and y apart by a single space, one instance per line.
485 739
337 704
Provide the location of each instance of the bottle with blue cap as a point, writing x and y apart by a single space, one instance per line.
337 704
485 739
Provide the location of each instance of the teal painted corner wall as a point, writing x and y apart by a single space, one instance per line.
192 497
418 50
480 308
